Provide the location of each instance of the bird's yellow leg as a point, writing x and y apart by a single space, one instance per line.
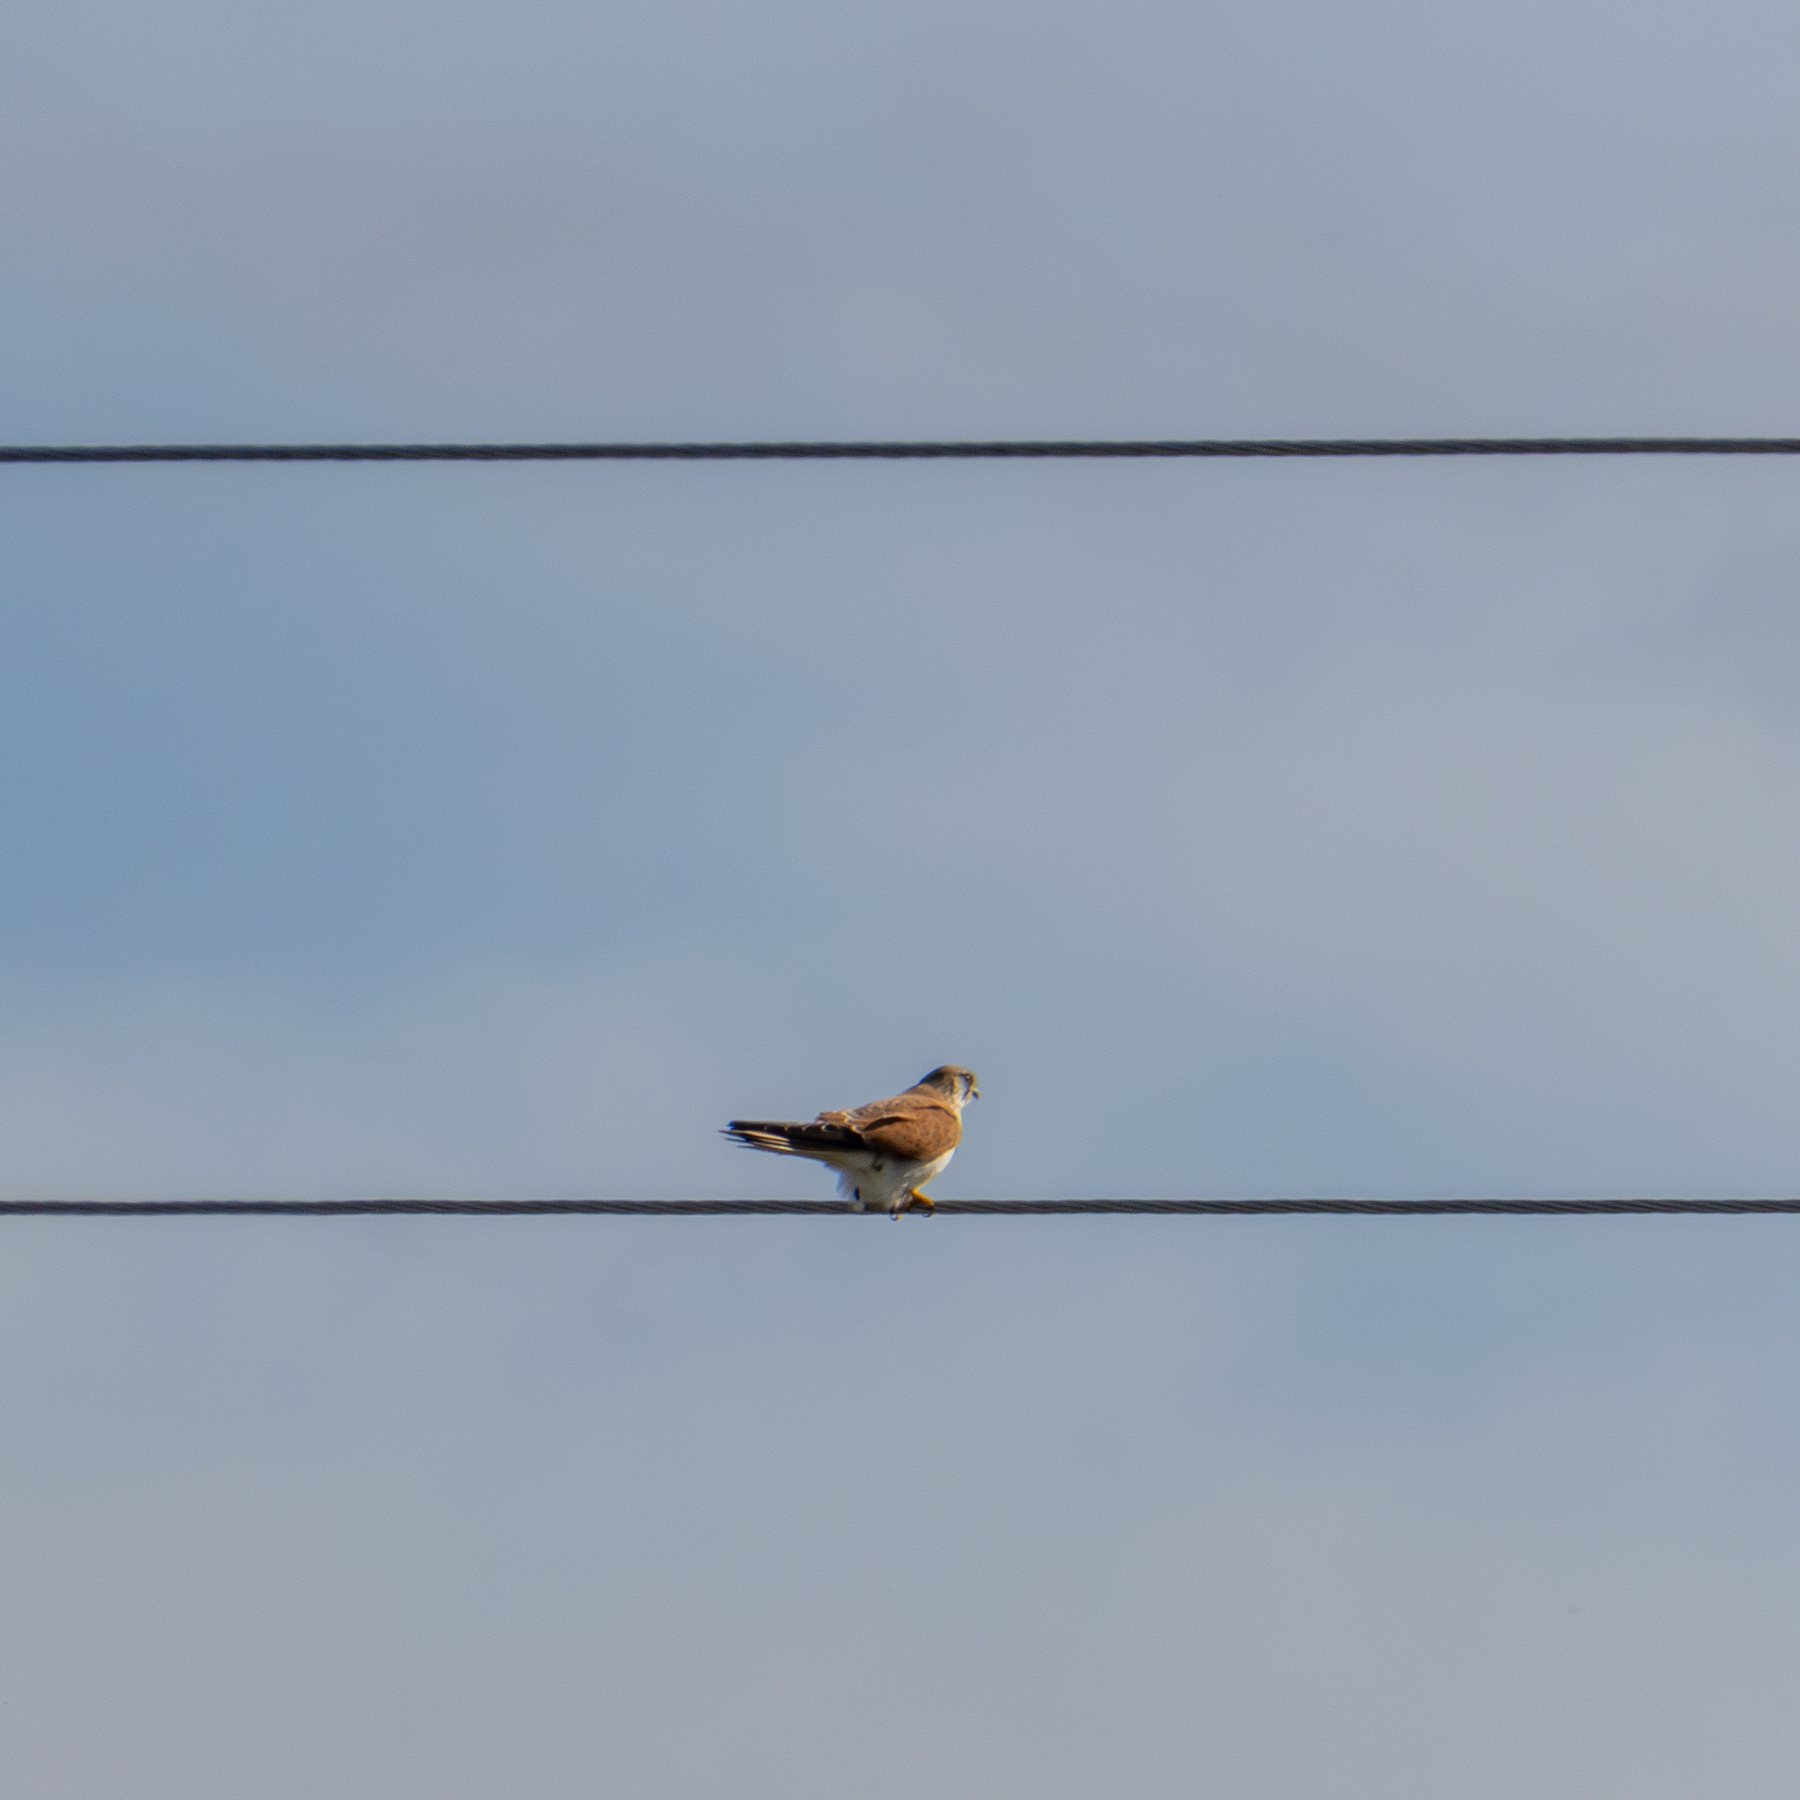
914 1200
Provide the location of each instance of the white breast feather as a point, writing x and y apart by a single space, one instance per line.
882 1180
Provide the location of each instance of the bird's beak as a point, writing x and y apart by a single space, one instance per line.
974 1091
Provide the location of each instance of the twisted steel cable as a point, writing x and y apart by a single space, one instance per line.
839 1208
903 450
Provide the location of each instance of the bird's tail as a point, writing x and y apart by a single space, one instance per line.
792 1139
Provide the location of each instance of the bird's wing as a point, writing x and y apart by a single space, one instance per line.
911 1127
917 1127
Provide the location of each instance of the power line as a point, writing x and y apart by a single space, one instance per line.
1019 448
1009 1208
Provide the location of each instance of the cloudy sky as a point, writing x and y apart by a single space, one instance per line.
1331 828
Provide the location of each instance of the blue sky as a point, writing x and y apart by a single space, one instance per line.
1387 829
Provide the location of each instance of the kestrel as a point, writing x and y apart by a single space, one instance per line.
884 1152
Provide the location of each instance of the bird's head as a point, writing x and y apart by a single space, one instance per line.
957 1085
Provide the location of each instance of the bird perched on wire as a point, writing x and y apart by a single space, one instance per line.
884 1152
